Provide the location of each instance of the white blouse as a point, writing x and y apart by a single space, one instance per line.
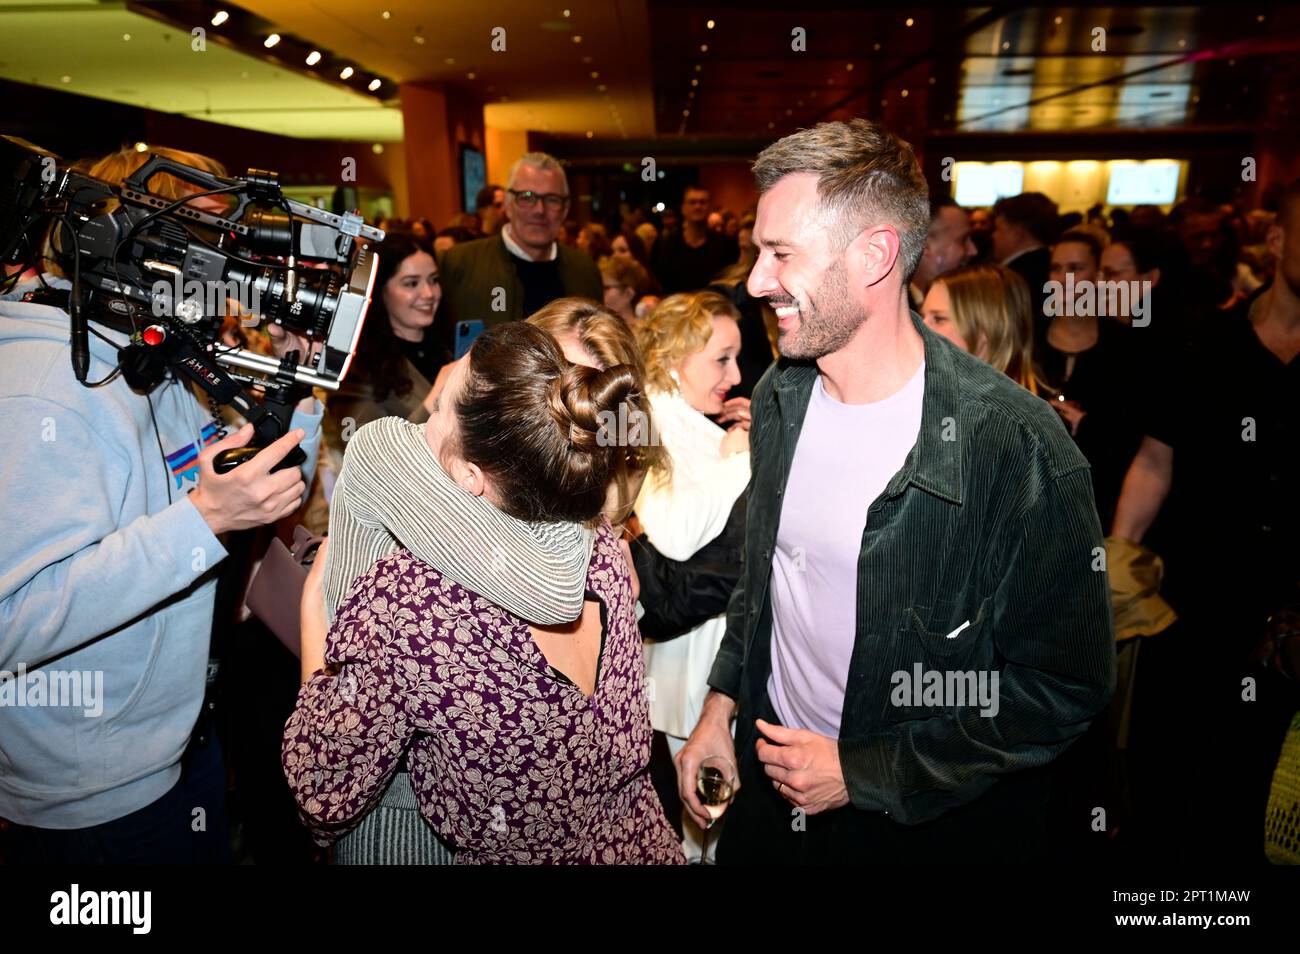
680 517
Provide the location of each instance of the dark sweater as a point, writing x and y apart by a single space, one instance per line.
482 280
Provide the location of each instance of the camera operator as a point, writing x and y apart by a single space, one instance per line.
112 520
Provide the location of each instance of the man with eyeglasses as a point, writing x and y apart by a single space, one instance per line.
508 276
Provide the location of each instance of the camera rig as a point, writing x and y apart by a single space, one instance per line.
166 272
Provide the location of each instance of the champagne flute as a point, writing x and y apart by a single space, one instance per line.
715 784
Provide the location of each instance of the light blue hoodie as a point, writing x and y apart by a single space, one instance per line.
105 567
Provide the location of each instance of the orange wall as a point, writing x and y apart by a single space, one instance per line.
436 121
731 184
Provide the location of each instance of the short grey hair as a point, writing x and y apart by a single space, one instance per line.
865 174
538 160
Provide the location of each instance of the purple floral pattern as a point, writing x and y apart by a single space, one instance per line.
510 764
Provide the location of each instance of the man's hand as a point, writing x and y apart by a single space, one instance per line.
250 495
712 736
804 767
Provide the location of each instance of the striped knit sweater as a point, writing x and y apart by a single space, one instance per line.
392 492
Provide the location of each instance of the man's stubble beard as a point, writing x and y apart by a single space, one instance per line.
832 320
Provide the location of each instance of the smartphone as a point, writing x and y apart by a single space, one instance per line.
466 332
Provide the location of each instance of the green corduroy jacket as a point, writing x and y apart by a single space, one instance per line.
472 271
991 519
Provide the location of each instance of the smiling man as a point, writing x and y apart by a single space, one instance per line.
908 506
508 276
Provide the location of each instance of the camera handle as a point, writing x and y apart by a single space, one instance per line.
270 418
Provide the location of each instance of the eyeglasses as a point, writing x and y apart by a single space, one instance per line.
528 199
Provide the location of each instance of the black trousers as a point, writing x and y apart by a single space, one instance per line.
1006 825
168 831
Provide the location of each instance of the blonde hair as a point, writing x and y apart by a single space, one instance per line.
608 340
991 305
117 166
628 272
679 327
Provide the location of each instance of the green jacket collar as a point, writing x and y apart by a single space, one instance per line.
934 464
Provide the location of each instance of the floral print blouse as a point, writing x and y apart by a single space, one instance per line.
510 762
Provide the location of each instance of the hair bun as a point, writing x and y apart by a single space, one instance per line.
586 398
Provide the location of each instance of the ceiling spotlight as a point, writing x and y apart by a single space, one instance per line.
271 40
698 67
387 15
704 47
346 73
909 21
849 67
470 75
590 134
142 147
595 74
577 38
221 17
65 78
600 87
419 40
1058 21
377 149
686 112
313 57
126 36
904 94
710 24
568 12
377 82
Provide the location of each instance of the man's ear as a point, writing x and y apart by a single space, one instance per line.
873 252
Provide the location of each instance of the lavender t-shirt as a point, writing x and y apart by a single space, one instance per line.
846 456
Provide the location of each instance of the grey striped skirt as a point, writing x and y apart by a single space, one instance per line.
394 833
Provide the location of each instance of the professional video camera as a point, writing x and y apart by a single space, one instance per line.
166 272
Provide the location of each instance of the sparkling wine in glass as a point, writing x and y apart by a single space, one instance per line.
715 784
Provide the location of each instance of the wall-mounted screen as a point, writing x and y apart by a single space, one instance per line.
473 176
1143 183
983 183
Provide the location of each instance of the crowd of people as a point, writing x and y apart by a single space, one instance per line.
606 504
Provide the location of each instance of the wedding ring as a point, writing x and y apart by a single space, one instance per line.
780 788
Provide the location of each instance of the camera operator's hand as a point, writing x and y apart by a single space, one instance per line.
282 342
250 495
